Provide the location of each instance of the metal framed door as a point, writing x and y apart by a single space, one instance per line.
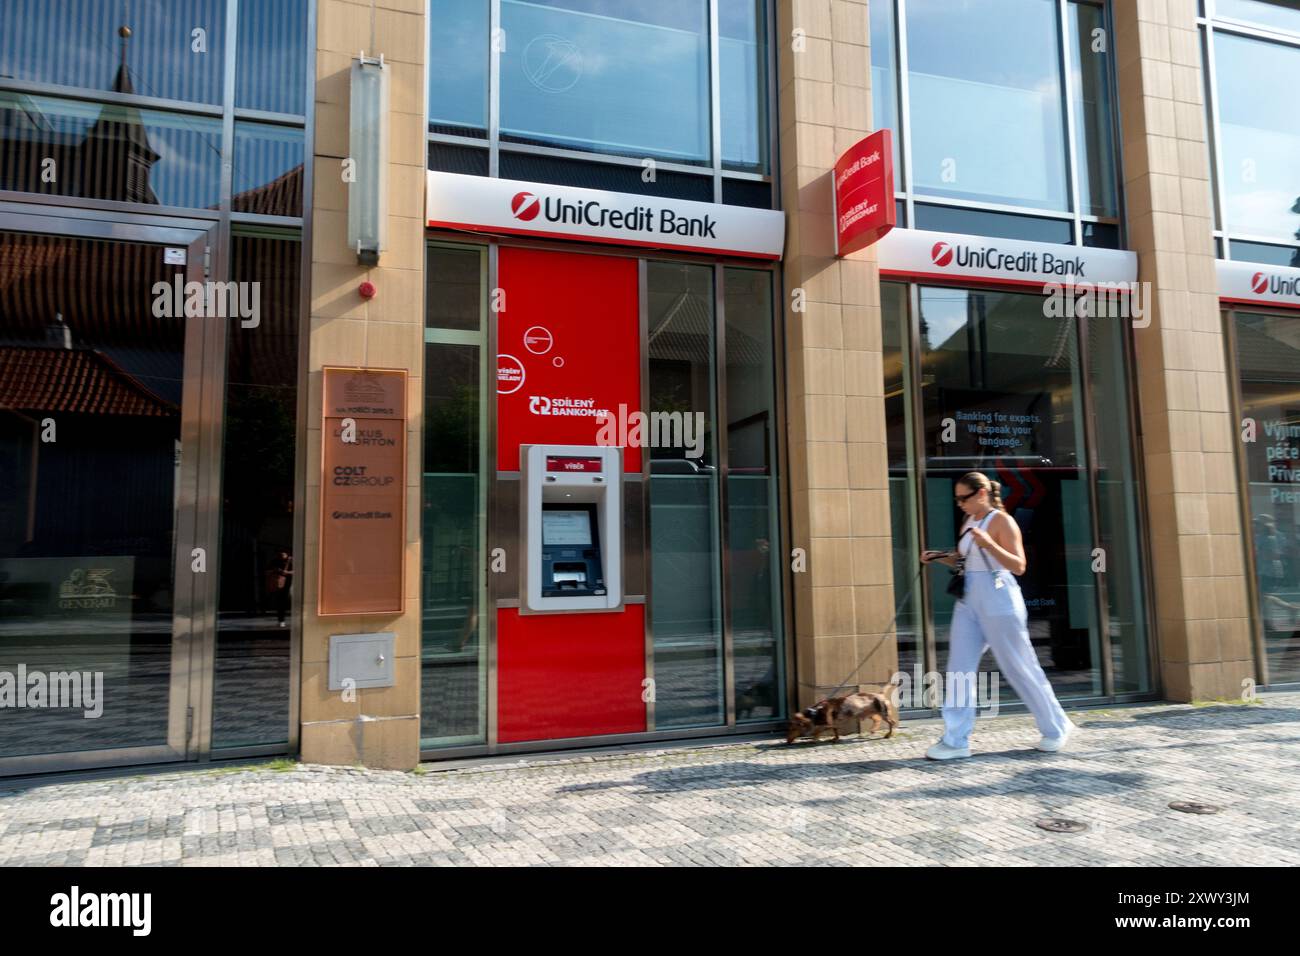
110 422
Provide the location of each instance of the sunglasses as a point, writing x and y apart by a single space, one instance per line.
962 499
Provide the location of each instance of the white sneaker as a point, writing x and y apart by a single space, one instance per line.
941 751
1056 744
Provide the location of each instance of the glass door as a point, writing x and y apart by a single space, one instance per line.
106 487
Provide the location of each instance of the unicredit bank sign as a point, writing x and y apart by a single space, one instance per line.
979 260
1249 283
504 206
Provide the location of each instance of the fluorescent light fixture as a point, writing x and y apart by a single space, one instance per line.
368 150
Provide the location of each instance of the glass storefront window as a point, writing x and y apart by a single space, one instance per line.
453 668
753 541
630 79
1259 135
1281 14
685 552
88 521
899 423
1002 393
259 576
742 84
108 151
1092 93
1268 371
271 60
171 50
458 65
987 117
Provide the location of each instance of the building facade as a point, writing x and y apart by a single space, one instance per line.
595 437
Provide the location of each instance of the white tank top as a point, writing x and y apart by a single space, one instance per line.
985 561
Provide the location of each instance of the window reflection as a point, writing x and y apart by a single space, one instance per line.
1259 129
742 83
986 113
629 78
174 50
271 65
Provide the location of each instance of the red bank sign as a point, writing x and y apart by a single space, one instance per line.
509 207
864 193
1250 283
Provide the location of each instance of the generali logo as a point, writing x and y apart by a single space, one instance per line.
525 207
941 254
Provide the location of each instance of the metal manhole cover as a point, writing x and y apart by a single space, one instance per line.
1186 806
1061 825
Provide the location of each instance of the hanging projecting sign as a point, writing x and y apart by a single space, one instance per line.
509 207
863 182
979 260
363 492
1250 283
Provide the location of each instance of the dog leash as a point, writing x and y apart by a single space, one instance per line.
898 610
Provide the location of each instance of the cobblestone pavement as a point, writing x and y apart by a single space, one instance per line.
858 801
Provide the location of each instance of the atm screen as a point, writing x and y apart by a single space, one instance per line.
568 526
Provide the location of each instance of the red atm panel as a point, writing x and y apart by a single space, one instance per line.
569 346
570 675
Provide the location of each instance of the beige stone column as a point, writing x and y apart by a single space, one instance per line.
1203 631
381 728
838 476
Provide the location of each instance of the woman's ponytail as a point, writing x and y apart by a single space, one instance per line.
978 481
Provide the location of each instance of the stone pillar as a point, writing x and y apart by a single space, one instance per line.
381 728
838 473
1198 571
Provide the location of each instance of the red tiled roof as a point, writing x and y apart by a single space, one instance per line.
74 380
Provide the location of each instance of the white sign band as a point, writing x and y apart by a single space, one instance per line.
1251 283
510 207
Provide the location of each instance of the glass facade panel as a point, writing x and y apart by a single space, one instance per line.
1268 370
1259 135
258 572
742 84
1092 93
685 552
271 62
987 118
88 519
453 681
899 419
459 60
107 151
629 79
268 170
1002 394
173 50
884 80
1281 14
1117 505
753 540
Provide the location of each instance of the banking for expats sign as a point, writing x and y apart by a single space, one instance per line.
510 207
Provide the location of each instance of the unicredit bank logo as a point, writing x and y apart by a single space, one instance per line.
1023 262
525 207
1264 283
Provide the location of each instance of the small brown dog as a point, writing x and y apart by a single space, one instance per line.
874 707
829 712
815 720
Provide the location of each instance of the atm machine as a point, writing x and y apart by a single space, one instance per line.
572 520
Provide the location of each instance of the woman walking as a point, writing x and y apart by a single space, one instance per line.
991 613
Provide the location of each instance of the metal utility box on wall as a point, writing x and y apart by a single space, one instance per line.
366 660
